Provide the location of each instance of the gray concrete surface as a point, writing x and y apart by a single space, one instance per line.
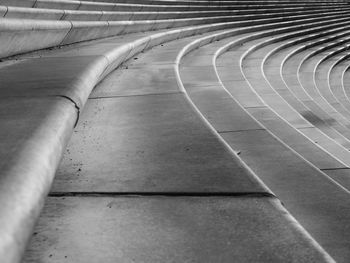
160 184
144 148
168 229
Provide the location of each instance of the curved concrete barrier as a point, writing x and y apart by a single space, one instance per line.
19 35
103 6
60 14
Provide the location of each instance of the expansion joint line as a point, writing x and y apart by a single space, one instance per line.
334 169
75 105
162 194
66 36
34 4
78 5
64 15
7 10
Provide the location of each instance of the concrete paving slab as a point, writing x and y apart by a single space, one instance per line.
240 88
192 75
158 56
300 187
296 140
220 109
168 229
316 116
319 137
284 110
342 176
148 144
330 118
150 80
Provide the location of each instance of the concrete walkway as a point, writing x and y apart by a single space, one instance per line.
144 179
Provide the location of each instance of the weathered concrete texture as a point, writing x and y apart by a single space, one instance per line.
301 188
151 80
135 144
199 76
21 35
301 144
168 229
220 109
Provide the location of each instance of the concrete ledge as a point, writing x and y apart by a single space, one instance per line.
19 35
60 14
32 149
3 10
21 3
103 6
54 4
34 13
84 15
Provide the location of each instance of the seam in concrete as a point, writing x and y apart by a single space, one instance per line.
165 194
255 107
7 10
68 33
63 15
34 5
78 5
75 105
135 95
333 169
100 17
304 128
257 129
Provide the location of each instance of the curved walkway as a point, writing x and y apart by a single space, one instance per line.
161 183
181 142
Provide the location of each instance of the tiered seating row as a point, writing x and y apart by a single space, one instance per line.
19 36
60 14
255 144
